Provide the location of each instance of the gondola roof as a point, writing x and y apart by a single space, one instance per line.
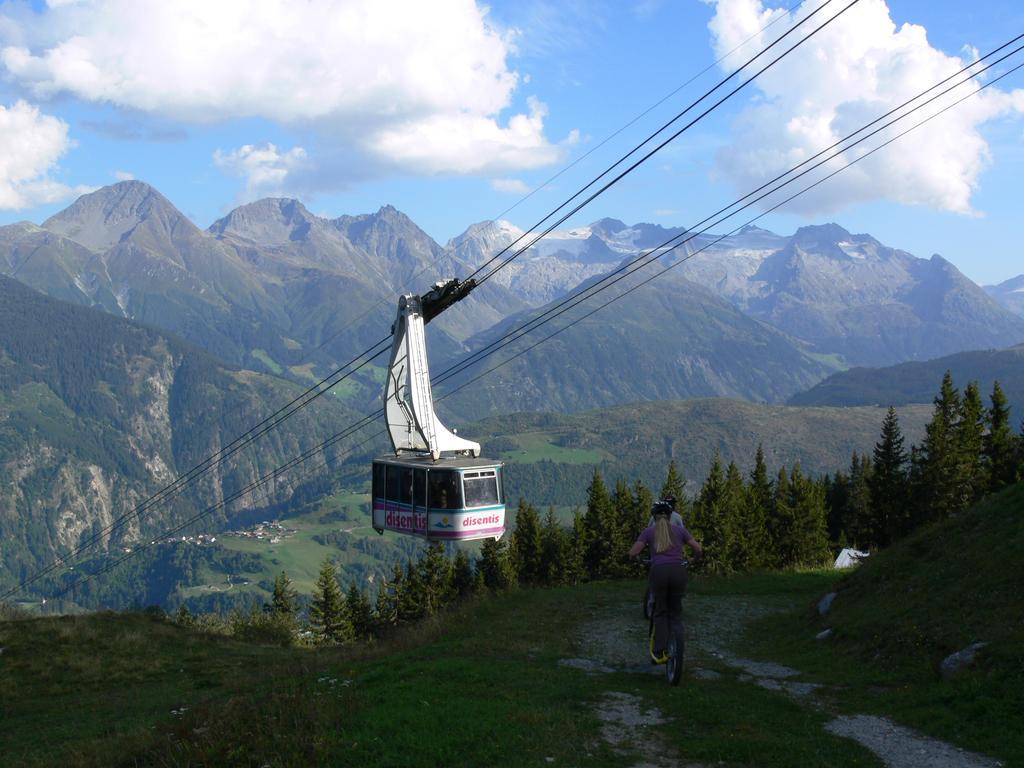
425 461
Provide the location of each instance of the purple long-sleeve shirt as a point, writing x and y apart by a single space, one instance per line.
674 554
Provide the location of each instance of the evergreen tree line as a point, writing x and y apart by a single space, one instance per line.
968 451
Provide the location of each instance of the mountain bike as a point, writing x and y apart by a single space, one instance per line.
676 641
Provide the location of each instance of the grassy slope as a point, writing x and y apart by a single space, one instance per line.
903 611
481 687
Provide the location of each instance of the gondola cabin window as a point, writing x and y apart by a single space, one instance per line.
481 488
444 489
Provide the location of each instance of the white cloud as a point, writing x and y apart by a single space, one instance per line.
124 175
513 186
418 86
265 168
32 143
851 72
462 144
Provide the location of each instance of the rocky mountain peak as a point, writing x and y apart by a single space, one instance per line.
388 223
607 227
100 219
818 235
270 221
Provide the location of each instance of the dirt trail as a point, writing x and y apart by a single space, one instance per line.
615 640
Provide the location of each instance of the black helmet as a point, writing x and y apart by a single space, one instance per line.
670 500
661 509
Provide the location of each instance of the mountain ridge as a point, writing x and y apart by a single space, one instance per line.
273 287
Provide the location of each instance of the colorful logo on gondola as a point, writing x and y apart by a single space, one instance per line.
444 523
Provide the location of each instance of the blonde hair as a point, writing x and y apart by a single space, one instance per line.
662 536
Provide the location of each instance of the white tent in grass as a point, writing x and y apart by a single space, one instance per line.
849 558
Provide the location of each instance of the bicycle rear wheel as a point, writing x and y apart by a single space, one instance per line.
674 667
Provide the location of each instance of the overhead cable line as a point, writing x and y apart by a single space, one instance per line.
689 234
731 232
369 419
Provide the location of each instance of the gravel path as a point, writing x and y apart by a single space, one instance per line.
615 640
900 747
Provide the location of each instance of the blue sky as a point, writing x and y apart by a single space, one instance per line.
450 110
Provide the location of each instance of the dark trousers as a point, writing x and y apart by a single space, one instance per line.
668 585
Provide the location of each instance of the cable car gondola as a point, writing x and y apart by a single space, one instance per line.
435 485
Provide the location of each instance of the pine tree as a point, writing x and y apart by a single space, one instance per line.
463 579
526 544
597 540
759 509
674 485
360 612
283 601
860 523
935 490
327 613
575 569
643 500
553 545
1000 443
969 438
837 501
623 517
810 535
388 598
412 602
745 527
708 520
434 572
780 523
495 566
888 483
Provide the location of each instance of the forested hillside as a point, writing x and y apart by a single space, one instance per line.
97 413
915 382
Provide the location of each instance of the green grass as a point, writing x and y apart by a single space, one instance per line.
300 556
540 446
904 610
480 686
267 360
304 371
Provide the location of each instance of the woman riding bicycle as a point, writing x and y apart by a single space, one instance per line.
667 576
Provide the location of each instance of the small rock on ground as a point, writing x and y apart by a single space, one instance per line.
961 660
826 603
900 747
